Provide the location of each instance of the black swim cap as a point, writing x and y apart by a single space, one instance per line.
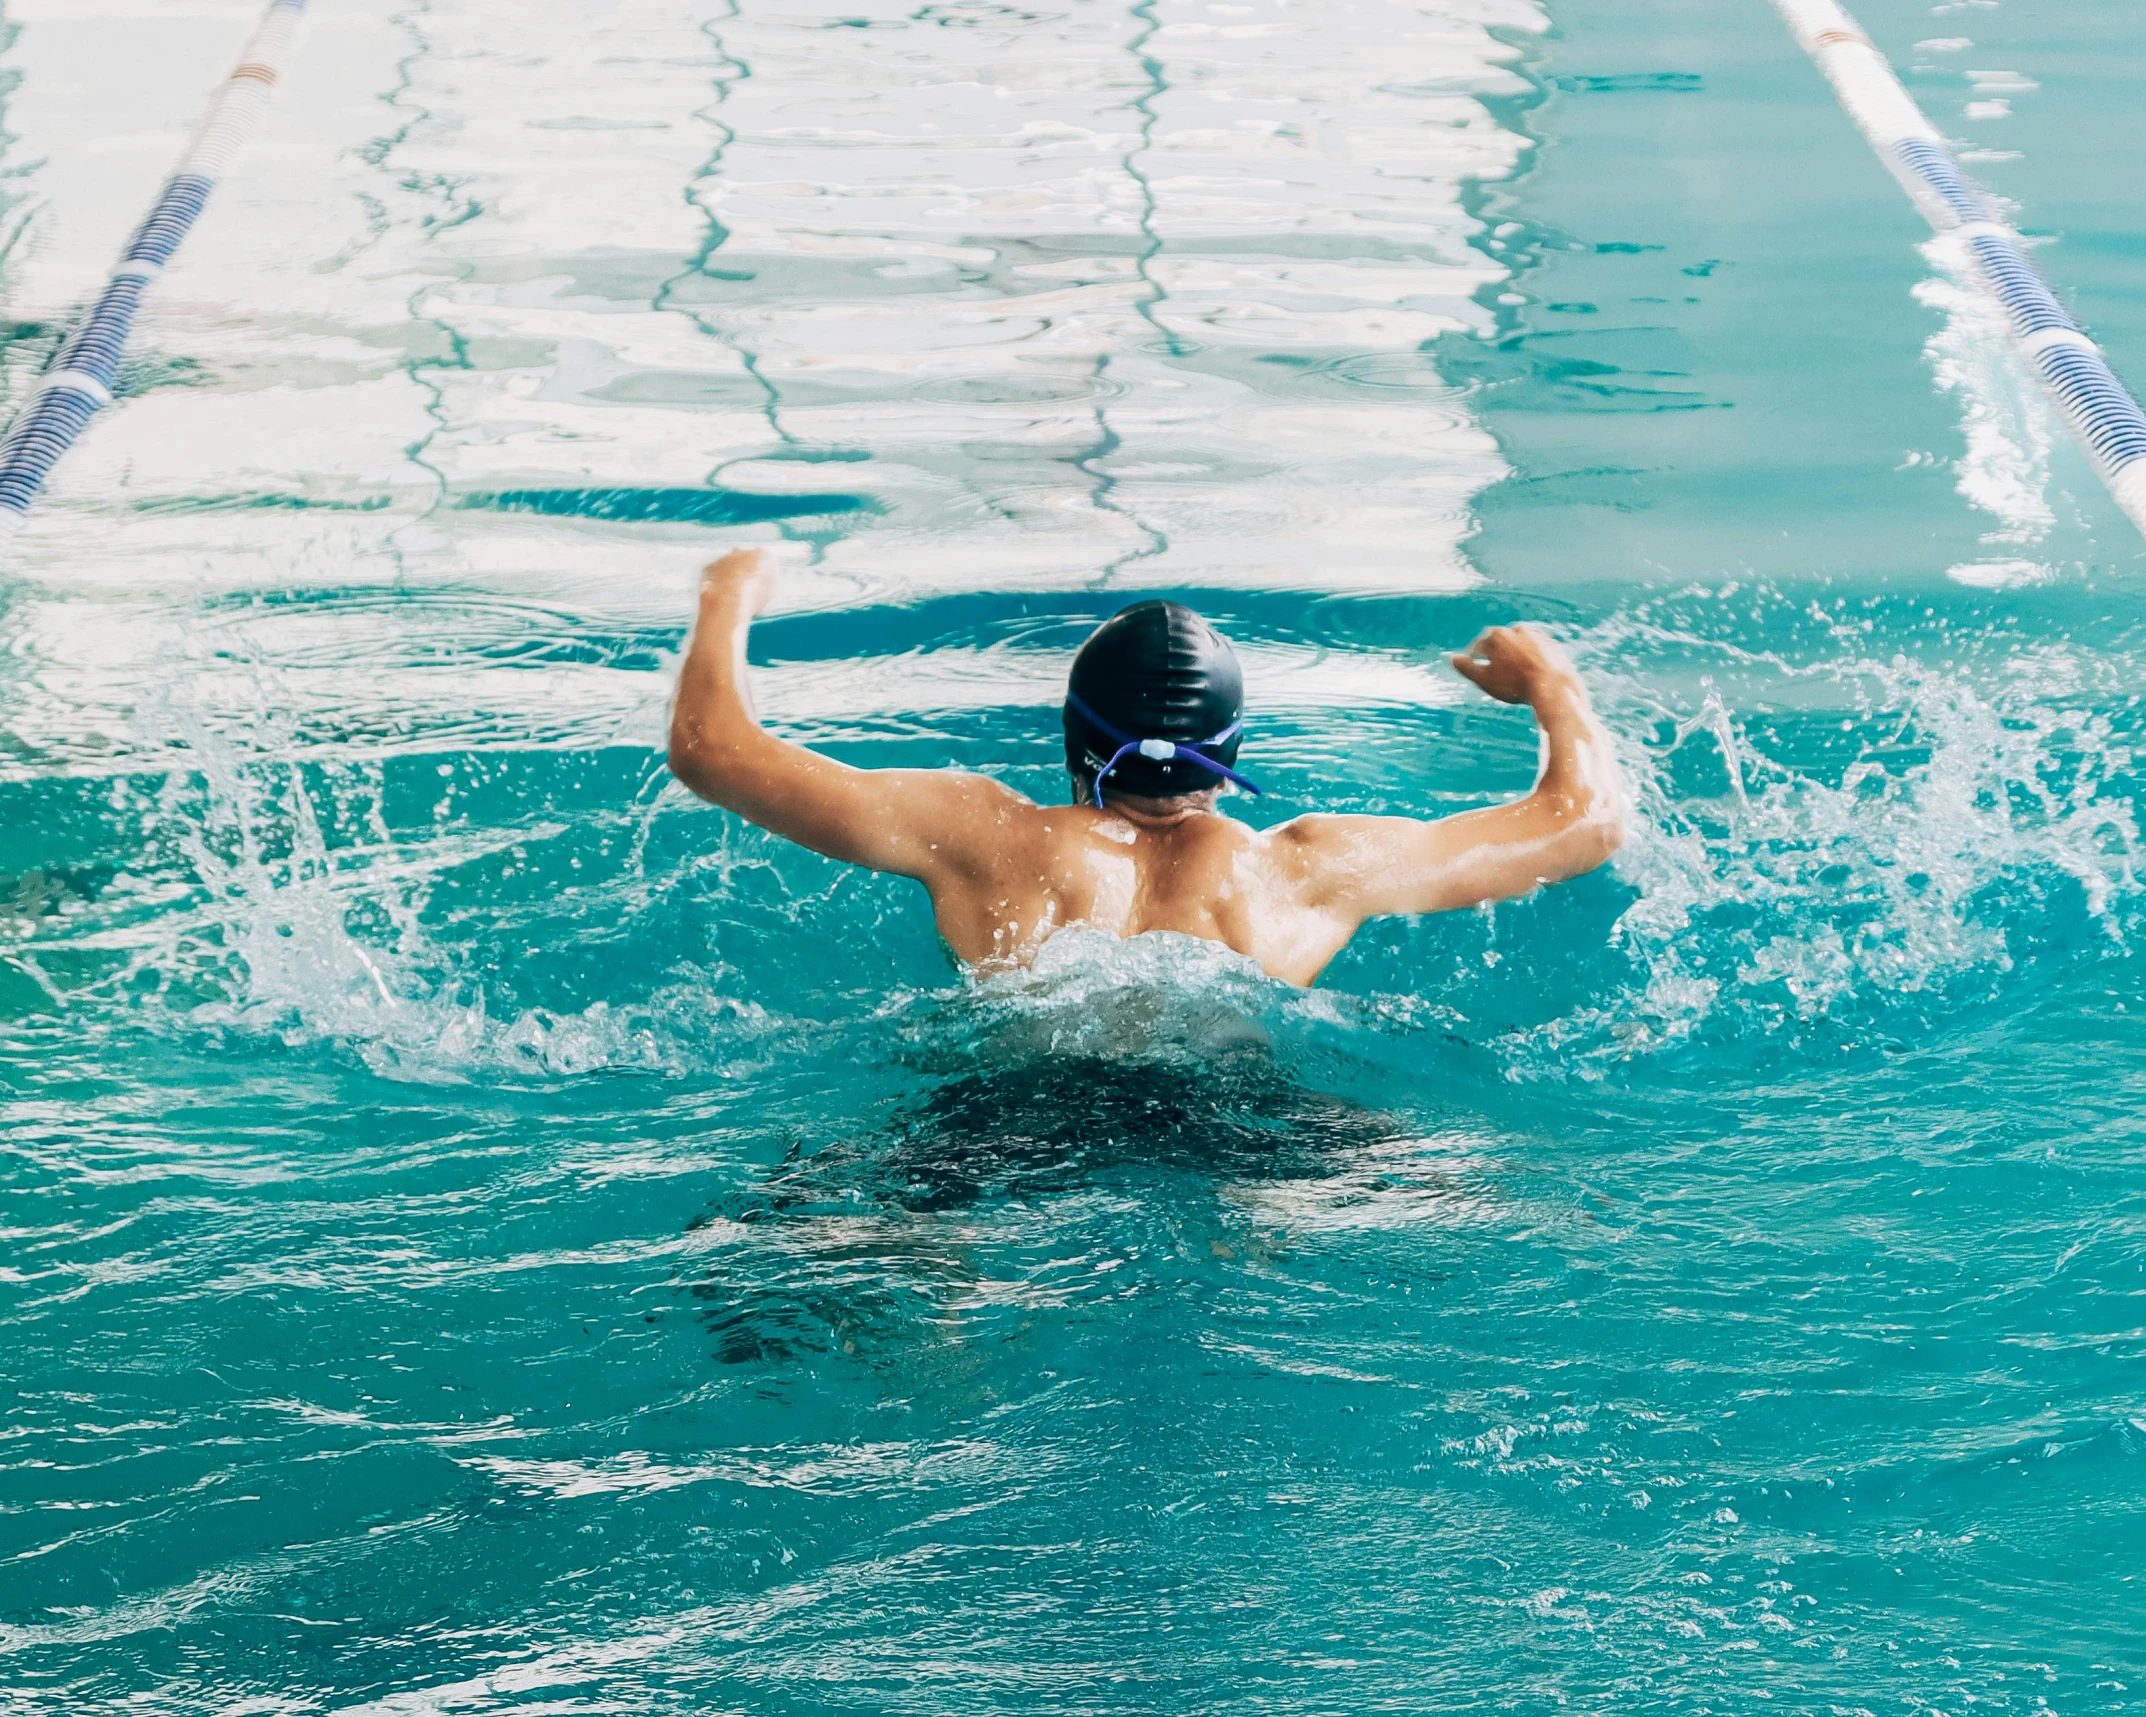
1155 670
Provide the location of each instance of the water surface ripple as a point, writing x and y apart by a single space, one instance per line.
484 1233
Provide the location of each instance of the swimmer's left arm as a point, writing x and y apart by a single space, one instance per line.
931 824
1369 867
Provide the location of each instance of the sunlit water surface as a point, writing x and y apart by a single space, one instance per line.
483 1232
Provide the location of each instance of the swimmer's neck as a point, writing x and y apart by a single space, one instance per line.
1154 815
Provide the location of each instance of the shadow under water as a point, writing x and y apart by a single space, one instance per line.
853 1244
1042 1128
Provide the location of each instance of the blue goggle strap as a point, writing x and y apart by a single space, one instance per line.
1161 750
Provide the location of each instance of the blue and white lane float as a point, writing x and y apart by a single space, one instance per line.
2099 409
81 378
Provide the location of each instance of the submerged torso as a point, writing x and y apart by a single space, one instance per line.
1204 875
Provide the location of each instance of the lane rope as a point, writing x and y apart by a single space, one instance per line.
80 381
2101 412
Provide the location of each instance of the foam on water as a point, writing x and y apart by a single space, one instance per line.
1896 872
279 938
2009 423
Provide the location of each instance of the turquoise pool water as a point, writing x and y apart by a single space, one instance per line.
484 1233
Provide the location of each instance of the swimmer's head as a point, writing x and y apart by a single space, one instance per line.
1155 672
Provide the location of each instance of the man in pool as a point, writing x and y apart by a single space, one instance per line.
1152 716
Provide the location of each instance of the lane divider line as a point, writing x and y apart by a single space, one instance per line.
80 381
2100 411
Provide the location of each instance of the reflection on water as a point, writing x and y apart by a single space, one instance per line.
1097 294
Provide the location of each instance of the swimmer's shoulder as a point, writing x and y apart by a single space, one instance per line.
1309 836
997 826
1308 849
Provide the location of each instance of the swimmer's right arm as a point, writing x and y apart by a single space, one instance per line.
923 823
1358 868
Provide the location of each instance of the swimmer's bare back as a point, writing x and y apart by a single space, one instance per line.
1005 873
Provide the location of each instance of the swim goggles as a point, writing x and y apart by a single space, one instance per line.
1160 750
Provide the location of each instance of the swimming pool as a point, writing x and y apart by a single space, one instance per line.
485 1232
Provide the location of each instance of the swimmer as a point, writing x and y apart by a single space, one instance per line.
1153 716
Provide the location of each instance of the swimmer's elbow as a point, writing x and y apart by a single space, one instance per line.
1599 838
703 765
734 762
686 765
1584 793
1591 830
718 749
688 754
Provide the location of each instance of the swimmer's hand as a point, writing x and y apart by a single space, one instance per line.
744 577
1515 664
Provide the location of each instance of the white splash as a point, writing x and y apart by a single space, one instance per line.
2000 574
2008 424
1801 895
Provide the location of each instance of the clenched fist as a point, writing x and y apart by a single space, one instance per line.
1515 664
744 575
